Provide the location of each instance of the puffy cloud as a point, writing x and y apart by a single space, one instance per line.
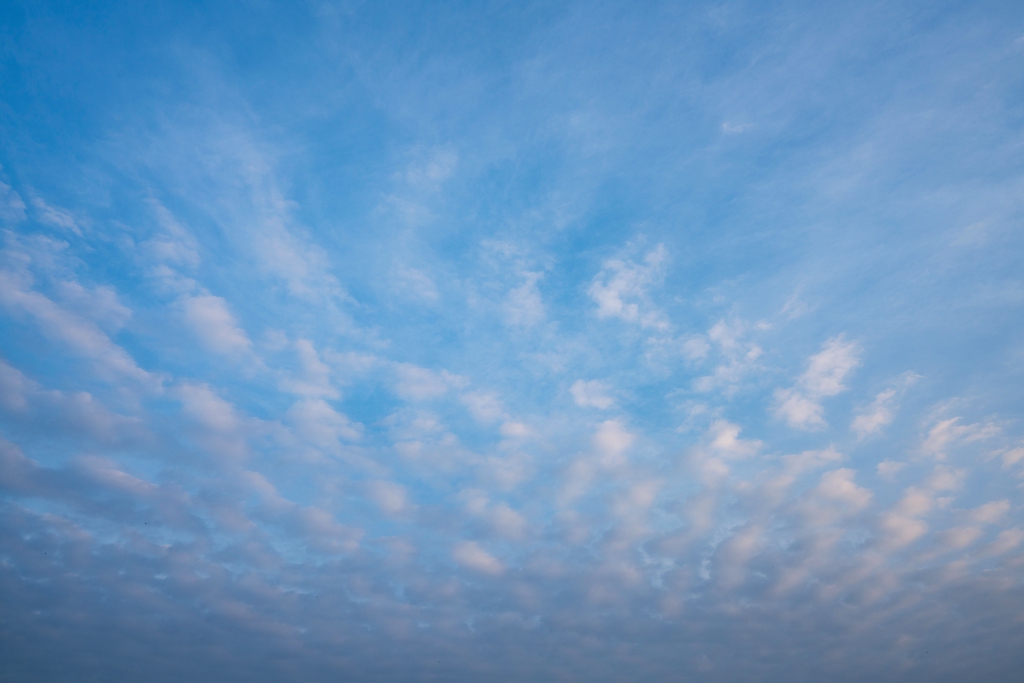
888 469
880 413
989 513
591 394
392 498
825 375
611 441
469 554
244 521
724 441
620 289
420 384
737 356
486 408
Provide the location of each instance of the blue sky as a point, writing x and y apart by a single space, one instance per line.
511 341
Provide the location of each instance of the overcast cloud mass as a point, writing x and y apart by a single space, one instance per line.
511 341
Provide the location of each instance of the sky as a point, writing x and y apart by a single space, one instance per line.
506 341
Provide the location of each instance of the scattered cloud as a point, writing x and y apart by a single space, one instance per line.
826 372
591 394
620 290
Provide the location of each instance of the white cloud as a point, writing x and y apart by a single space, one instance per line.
959 537
1005 542
56 216
826 372
1012 457
420 384
620 289
416 284
798 410
174 245
839 485
612 441
724 441
430 173
469 554
592 394
732 128
515 430
486 408
314 379
950 433
880 413
212 321
207 408
523 305
737 356
828 369
501 518
77 413
12 208
990 513
318 423
508 522
888 469
390 497
79 334
100 304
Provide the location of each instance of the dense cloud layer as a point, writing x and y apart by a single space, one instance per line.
587 343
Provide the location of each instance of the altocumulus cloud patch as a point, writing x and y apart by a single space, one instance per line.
582 342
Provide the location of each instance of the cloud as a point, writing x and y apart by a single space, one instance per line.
620 289
485 408
523 305
500 517
314 377
888 469
390 497
56 216
949 433
737 356
469 554
174 245
77 414
388 212
100 304
880 413
420 384
213 323
416 284
990 513
724 441
437 167
826 371
591 394
83 337
321 425
612 441
12 207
